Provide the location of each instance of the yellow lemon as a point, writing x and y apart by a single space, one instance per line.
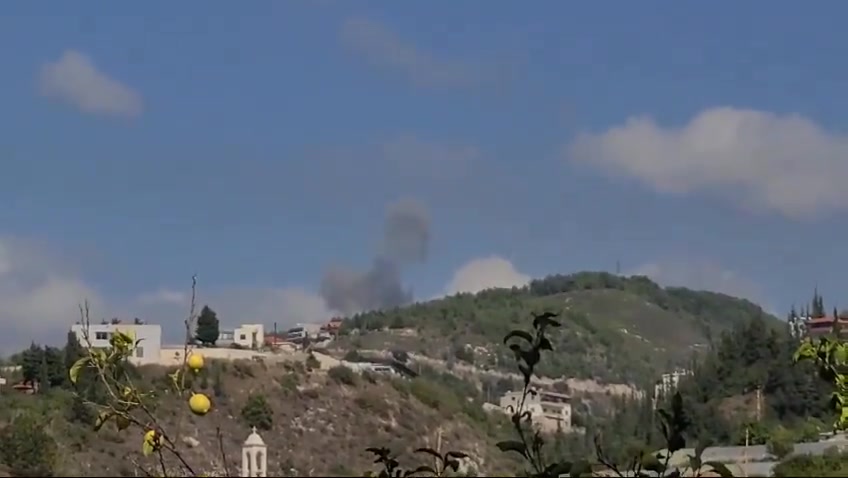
195 361
199 404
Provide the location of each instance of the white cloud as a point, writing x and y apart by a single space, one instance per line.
38 295
75 80
163 296
765 161
486 273
384 48
701 274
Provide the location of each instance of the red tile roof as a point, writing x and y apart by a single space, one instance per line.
826 320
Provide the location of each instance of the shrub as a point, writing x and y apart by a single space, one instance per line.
434 396
312 363
781 443
27 449
257 413
343 375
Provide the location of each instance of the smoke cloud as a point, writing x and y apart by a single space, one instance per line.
406 241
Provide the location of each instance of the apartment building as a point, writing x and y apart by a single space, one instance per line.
668 382
148 349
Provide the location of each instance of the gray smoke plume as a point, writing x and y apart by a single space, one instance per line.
406 240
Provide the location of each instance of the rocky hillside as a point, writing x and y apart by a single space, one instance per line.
318 422
615 329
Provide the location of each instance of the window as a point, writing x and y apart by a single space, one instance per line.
242 337
101 336
139 352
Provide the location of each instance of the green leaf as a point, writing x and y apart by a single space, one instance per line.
122 422
699 449
651 462
429 451
580 468
545 320
456 454
102 418
805 352
556 469
694 462
512 445
519 334
720 468
421 469
76 368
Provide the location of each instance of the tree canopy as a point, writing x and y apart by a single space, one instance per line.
207 331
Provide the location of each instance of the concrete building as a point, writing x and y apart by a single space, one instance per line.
550 410
148 350
249 336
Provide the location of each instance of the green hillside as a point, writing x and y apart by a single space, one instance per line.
616 329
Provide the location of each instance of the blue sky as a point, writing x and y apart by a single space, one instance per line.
260 144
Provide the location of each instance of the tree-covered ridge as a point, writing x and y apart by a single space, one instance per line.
723 396
618 329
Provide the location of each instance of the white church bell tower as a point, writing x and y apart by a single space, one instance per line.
254 456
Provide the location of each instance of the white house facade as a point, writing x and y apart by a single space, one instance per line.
249 336
150 335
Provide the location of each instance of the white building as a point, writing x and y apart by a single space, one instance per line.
148 349
361 367
249 335
550 410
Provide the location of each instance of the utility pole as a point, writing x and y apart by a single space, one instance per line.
759 403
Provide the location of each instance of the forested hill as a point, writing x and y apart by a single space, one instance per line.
616 329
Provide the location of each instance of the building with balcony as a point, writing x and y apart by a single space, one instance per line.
549 410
